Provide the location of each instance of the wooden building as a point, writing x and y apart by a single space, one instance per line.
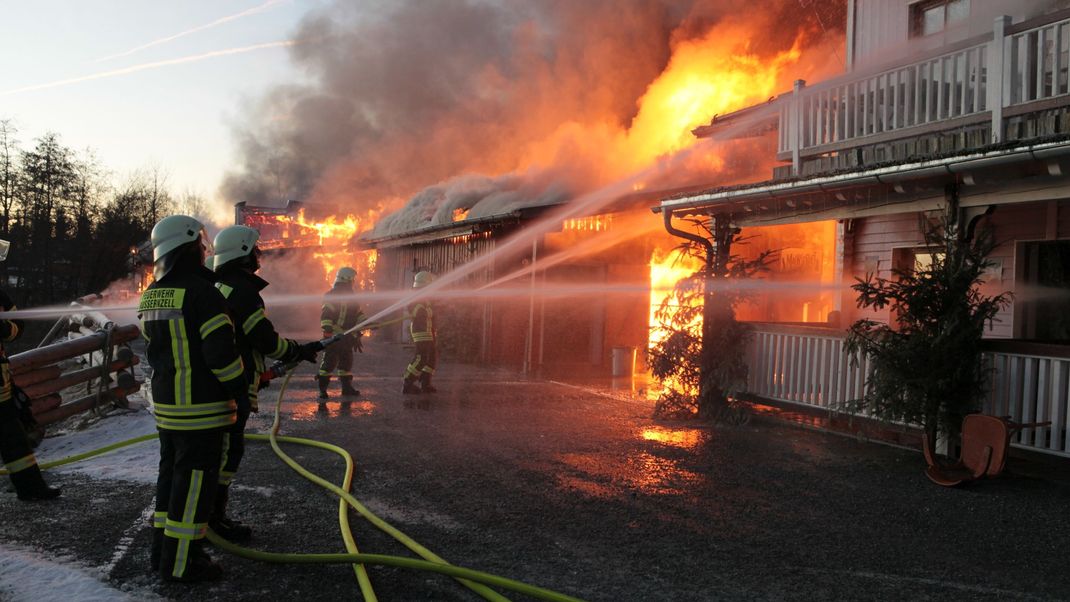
963 102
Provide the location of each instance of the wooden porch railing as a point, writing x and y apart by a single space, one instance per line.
807 365
1015 67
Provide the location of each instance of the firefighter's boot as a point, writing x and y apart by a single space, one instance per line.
347 386
410 387
229 529
156 548
30 485
323 381
425 383
199 565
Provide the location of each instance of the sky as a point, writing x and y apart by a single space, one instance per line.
155 111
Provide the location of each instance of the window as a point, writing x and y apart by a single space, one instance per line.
1042 291
934 16
912 259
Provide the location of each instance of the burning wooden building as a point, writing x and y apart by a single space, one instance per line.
302 253
945 103
518 313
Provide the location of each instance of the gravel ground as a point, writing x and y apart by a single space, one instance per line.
578 490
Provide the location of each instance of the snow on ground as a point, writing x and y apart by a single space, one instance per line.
33 575
27 575
137 463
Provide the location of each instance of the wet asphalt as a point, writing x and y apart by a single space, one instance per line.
578 490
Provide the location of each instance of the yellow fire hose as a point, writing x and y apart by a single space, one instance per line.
477 581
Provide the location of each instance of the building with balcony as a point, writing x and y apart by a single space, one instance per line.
943 102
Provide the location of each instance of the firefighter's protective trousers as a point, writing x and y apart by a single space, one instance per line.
256 339
198 382
423 333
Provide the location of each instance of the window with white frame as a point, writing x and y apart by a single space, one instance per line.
933 16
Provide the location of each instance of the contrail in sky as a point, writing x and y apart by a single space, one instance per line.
245 13
147 66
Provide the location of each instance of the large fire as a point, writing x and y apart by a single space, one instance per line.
715 74
290 231
668 267
330 237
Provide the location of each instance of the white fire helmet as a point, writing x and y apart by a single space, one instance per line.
234 242
171 233
422 279
346 274
5 246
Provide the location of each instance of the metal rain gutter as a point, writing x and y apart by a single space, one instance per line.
884 175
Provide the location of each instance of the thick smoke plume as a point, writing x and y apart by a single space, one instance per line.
412 101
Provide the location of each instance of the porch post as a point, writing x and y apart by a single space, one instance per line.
999 76
529 341
796 126
839 264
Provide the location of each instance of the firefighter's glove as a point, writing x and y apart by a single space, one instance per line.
308 351
357 344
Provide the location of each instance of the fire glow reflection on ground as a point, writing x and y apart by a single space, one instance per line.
685 438
310 410
605 476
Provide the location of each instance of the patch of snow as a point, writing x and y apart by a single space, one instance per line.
34 576
263 491
136 463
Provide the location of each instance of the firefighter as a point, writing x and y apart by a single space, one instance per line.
15 448
236 260
198 384
422 329
337 316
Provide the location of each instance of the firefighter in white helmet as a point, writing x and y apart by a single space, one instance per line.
338 315
422 330
198 384
236 260
15 447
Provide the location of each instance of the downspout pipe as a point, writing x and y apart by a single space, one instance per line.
707 304
706 243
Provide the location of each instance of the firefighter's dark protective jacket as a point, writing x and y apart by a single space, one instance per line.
257 337
9 331
339 315
198 376
422 327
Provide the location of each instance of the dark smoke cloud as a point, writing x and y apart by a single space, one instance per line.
410 97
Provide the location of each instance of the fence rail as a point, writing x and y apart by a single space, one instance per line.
808 365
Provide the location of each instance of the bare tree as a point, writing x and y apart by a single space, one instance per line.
193 205
9 173
161 203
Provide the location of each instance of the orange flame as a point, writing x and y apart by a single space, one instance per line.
331 236
332 230
666 269
459 215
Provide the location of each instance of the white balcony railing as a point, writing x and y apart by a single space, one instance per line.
945 87
807 365
1038 60
1027 66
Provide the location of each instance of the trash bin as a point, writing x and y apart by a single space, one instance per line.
623 361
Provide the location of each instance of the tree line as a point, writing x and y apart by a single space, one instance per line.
73 226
